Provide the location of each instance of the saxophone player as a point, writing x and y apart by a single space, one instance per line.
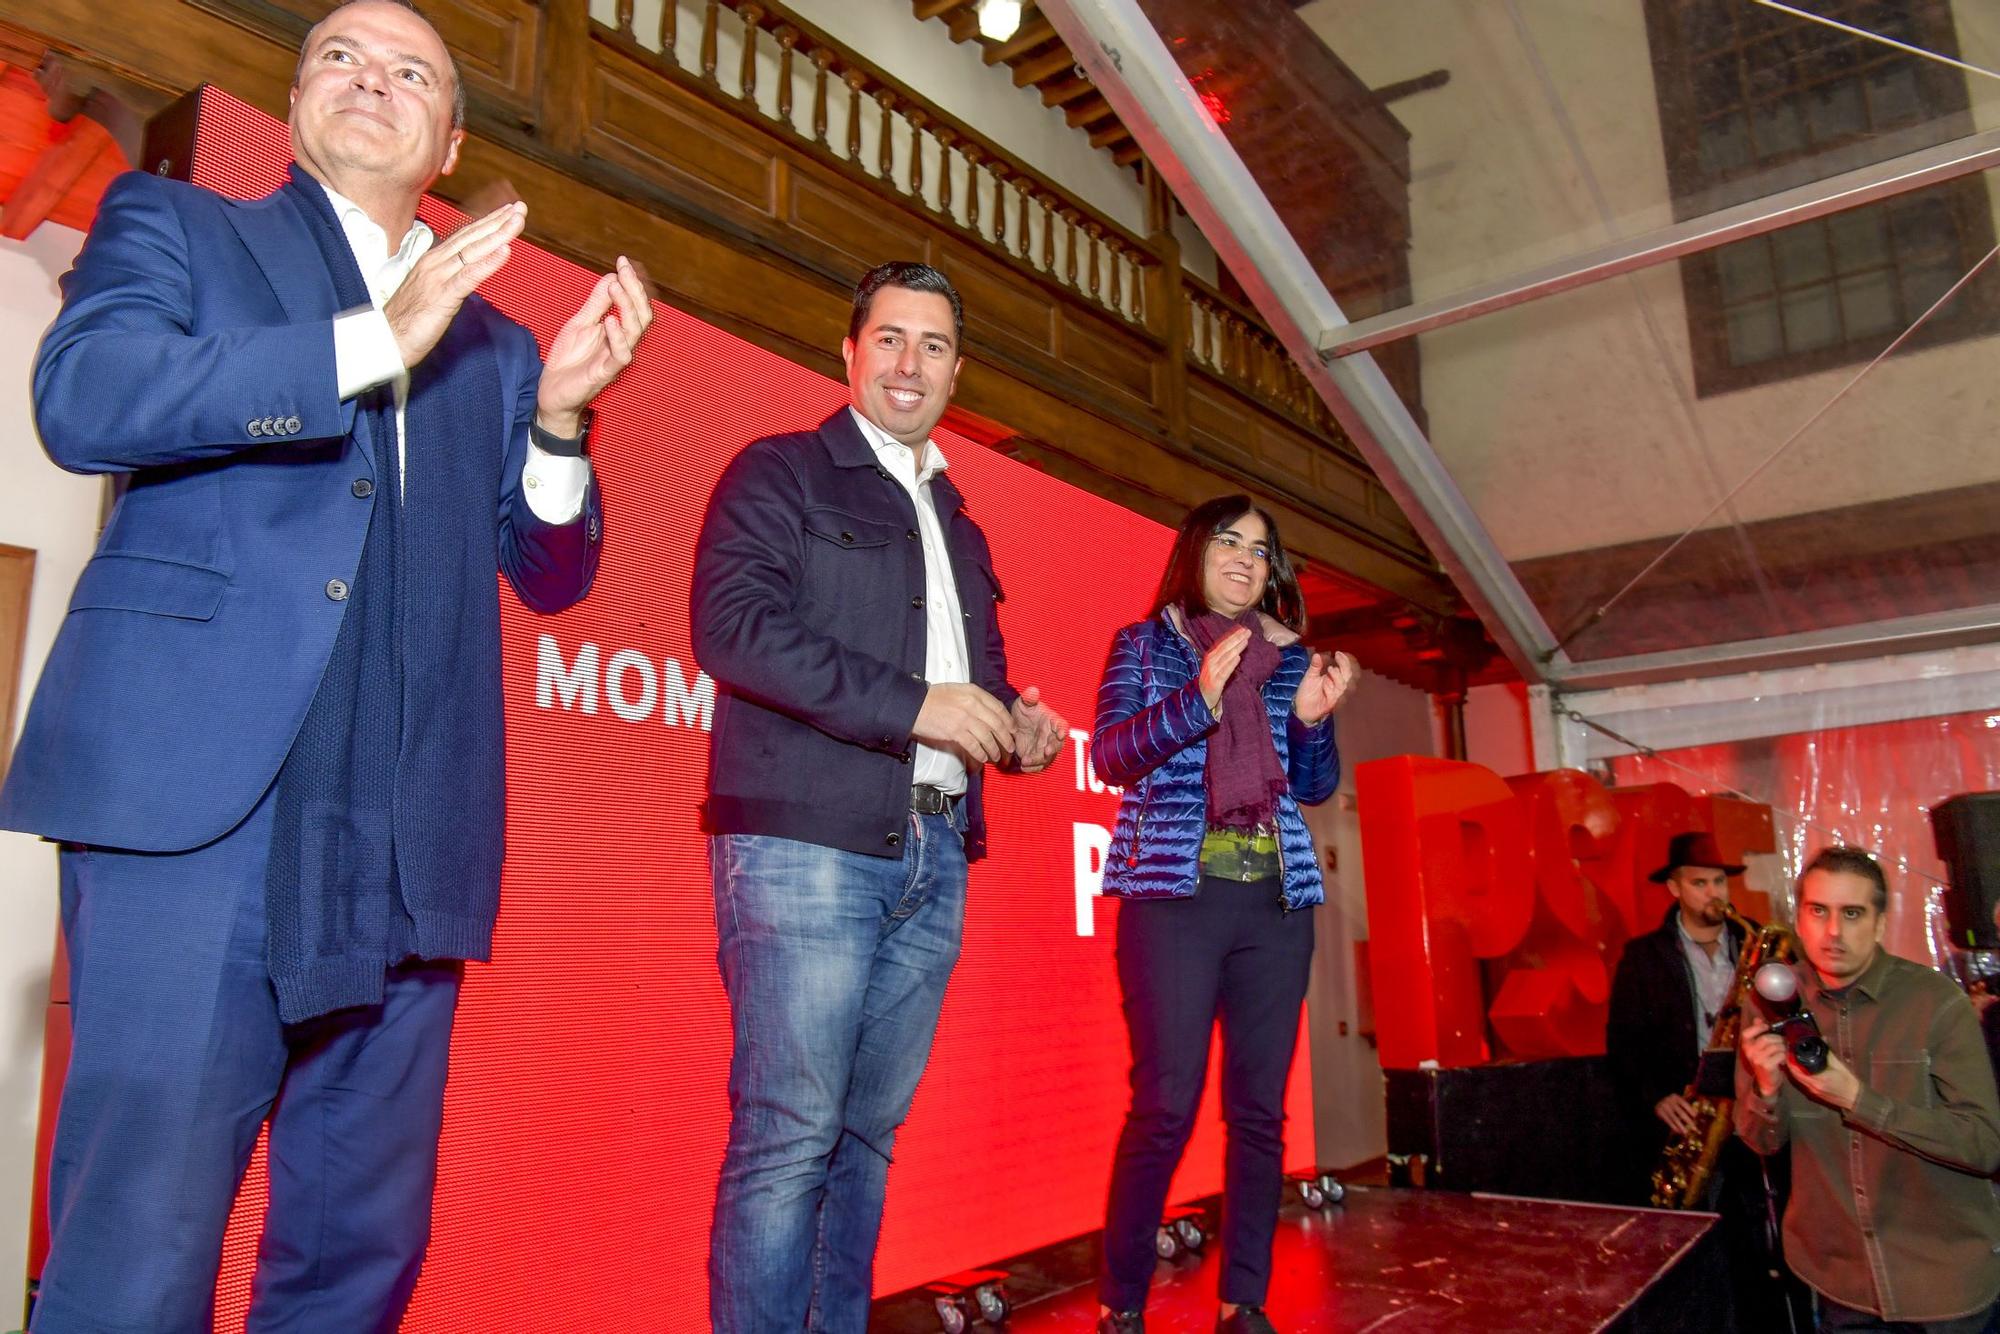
1672 985
1669 989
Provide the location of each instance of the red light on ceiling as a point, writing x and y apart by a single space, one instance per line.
1218 110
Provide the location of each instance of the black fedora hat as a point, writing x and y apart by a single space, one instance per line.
1694 849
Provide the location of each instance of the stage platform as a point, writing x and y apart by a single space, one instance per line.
1405 1261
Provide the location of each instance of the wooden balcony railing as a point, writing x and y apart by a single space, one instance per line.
1229 341
769 63
852 114
756 164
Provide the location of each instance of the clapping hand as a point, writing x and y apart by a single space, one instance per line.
1219 664
1325 686
1039 732
596 344
963 718
428 300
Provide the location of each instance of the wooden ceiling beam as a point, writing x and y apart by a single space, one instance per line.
1087 112
20 49
1062 94
930 9
1044 66
1111 136
1032 34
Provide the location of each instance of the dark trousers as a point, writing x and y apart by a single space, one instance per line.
1230 952
177 1058
1846 1320
1764 1300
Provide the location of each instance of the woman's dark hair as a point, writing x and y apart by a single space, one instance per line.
1180 586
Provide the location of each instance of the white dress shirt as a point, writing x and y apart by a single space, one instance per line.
1710 976
945 658
365 355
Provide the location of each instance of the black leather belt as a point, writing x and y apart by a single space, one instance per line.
930 800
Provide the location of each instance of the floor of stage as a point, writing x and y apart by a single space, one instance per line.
1400 1262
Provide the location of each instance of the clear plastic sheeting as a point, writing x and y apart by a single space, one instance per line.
1665 412
1637 443
1467 141
1870 785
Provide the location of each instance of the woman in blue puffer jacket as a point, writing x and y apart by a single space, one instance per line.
1217 721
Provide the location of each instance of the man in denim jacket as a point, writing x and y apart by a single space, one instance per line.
846 605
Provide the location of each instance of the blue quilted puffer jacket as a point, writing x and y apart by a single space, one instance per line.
1151 740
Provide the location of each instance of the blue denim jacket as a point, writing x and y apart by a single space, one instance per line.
807 609
1151 739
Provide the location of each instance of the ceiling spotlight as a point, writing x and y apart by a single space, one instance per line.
999 19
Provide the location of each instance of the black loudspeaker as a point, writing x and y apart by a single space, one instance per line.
1967 829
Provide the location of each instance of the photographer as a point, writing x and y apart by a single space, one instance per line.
1892 1218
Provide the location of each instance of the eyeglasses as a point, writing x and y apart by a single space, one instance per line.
1235 545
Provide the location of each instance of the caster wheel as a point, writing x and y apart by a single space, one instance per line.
1165 1244
951 1316
1310 1192
1330 1187
993 1303
1190 1233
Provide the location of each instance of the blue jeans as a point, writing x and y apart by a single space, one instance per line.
836 965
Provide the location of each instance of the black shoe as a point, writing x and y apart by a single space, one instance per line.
1122 1322
1247 1320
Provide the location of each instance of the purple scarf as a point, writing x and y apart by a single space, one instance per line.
1245 779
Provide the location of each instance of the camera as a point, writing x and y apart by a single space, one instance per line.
1777 988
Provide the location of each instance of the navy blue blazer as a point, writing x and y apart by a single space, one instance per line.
808 614
194 354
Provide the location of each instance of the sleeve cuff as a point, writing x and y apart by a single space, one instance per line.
364 352
560 446
1196 716
555 484
1871 1109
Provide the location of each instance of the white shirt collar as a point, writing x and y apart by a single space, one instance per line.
370 243
931 462
1695 947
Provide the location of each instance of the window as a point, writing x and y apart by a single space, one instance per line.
1754 101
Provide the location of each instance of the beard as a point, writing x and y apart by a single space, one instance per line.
1714 913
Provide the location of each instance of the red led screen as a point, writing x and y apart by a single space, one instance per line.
586 1112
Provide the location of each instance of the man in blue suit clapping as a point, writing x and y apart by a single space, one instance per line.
269 734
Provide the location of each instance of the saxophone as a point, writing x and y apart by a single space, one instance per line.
1682 1176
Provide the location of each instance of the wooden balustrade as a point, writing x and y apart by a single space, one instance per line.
939 163
756 165
866 120
1230 342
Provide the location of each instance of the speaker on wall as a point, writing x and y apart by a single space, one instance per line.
1967 830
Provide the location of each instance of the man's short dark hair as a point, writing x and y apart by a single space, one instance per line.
915 277
1844 860
457 83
